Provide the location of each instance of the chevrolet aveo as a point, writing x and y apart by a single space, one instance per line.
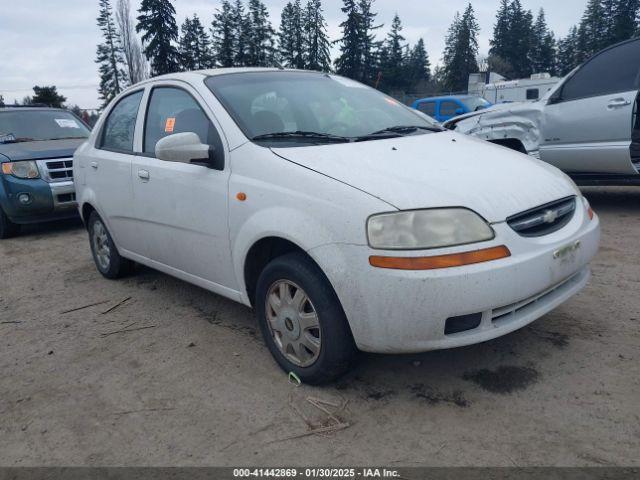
345 219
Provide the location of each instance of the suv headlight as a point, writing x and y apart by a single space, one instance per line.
25 169
421 229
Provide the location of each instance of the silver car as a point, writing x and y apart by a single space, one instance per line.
588 125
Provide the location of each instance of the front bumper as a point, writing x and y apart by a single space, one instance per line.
47 200
398 311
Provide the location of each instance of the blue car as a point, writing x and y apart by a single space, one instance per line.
444 108
36 160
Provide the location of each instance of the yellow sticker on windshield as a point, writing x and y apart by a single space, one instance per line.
169 125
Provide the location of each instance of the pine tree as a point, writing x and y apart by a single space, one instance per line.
260 48
418 66
512 39
291 37
157 21
592 33
542 52
286 42
369 46
500 42
393 59
317 46
109 56
240 28
520 38
567 57
349 62
194 45
224 35
625 20
461 49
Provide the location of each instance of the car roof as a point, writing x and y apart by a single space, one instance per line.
446 97
196 75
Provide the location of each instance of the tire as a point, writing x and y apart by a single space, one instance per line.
292 277
105 253
8 229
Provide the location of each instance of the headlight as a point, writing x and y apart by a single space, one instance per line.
27 169
420 229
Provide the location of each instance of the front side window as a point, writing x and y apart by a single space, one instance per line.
39 125
266 103
612 71
448 108
119 128
428 108
172 110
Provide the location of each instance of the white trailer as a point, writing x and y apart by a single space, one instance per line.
496 89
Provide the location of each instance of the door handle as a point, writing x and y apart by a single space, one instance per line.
618 102
143 174
94 165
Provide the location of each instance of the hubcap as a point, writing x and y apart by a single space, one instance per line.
101 245
293 322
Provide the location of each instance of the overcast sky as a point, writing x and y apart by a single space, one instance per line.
53 42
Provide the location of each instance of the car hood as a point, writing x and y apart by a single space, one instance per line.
40 150
439 170
498 110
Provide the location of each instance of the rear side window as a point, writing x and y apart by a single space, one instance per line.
448 108
612 71
119 128
173 110
428 107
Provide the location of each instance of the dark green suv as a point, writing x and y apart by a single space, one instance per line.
36 156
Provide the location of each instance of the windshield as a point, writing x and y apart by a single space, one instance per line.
306 107
37 125
475 103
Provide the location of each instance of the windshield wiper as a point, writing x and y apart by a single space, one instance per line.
301 134
407 129
64 138
11 138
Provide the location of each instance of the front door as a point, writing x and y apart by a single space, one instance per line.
587 124
181 209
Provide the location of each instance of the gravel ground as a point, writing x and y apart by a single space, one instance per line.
190 382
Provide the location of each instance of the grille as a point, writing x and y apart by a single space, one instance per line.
60 170
544 219
502 315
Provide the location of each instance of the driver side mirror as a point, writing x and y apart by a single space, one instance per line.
187 148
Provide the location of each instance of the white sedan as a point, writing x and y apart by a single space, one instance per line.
345 219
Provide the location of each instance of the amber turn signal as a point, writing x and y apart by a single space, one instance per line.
590 212
241 196
441 261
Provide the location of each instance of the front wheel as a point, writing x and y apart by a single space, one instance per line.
8 229
302 321
105 254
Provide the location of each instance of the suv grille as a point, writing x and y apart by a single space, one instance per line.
544 219
57 170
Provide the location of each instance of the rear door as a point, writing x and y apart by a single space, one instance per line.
181 209
587 124
108 169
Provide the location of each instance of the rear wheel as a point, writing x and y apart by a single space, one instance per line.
8 229
105 254
302 321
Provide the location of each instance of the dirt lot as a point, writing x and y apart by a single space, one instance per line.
190 382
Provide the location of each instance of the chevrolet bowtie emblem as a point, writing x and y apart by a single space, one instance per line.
550 216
